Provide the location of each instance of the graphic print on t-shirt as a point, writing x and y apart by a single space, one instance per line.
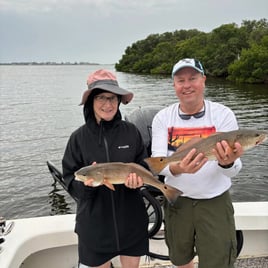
178 136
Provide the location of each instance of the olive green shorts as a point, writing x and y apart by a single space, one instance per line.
203 227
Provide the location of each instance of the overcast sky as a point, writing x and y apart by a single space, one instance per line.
100 30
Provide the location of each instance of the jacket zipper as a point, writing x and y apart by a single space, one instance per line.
112 196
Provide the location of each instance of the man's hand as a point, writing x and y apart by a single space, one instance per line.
188 164
227 155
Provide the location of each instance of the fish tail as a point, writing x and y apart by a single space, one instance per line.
156 164
171 193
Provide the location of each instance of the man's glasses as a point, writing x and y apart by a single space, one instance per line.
103 99
196 115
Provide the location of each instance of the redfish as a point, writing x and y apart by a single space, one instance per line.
246 137
116 173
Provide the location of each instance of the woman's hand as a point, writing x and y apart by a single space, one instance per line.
89 182
133 181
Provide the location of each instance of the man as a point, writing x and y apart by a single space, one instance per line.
201 221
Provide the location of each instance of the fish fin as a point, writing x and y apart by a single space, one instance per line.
171 193
108 184
156 164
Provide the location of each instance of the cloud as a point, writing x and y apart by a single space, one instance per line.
100 30
103 6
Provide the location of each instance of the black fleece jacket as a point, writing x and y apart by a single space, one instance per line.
107 221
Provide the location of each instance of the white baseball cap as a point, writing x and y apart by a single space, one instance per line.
193 63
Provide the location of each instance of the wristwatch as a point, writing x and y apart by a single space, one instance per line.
226 166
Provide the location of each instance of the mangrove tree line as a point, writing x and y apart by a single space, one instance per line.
238 53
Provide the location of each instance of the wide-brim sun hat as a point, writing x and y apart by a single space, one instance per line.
106 80
193 63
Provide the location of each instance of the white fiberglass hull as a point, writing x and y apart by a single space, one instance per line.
51 242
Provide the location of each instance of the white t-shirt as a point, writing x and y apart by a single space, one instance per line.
169 131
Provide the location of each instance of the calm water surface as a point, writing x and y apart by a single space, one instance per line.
39 110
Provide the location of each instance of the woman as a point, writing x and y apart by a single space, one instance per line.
108 223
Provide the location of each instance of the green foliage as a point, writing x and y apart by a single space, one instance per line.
236 53
156 52
252 66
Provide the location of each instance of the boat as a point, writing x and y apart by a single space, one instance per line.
50 241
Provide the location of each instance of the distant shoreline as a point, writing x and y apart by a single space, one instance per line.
53 63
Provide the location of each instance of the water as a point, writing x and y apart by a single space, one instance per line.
39 110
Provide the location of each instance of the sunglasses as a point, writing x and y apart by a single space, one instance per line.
103 99
196 115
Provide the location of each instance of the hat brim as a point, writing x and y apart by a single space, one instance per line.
126 96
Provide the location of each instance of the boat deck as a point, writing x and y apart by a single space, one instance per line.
259 262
